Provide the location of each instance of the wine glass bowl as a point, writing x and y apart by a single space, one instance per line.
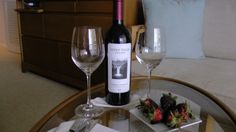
87 50
150 50
87 53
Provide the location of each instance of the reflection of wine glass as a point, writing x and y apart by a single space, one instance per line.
87 52
150 50
117 65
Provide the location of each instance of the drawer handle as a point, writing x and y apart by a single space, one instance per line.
38 11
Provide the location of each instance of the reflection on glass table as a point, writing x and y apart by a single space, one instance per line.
214 114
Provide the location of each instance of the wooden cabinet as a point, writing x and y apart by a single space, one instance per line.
31 24
59 26
46 36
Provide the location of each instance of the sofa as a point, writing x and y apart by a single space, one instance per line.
213 70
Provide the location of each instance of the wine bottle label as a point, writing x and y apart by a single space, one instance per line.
119 59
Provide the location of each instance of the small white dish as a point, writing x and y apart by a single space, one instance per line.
161 127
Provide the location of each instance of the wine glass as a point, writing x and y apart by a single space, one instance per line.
150 50
87 52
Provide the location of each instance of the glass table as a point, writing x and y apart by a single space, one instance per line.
214 114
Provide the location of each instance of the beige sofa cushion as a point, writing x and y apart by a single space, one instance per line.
219 32
216 76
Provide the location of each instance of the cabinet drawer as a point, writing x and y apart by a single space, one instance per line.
59 26
31 24
103 6
67 66
40 52
58 6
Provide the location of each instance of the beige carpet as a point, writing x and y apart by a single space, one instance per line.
25 97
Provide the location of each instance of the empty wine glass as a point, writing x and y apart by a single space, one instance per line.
87 52
150 50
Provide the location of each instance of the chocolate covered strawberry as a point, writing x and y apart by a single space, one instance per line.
168 102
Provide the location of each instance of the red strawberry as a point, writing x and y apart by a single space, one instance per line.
147 106
174 119
185 116
150 110
184 110
182 107
157 116
148 102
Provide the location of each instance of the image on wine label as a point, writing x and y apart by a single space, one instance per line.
119 69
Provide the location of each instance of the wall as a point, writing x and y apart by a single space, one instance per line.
9 36
2 25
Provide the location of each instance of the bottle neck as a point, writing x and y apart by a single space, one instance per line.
118 12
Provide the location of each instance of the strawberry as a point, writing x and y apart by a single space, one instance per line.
147 106
150 102
157 116
150 110
174 119
182 107
184 110
185 116
177 116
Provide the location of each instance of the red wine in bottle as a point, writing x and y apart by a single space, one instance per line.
118 59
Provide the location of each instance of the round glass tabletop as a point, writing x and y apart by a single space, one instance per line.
210 113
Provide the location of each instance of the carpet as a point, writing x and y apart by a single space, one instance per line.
25 97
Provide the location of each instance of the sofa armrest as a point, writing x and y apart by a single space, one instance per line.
135 30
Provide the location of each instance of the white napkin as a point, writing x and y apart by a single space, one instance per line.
65 127
101 102
101 128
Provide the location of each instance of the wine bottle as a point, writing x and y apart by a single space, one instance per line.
118 59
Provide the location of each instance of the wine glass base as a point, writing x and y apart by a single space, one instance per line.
86 111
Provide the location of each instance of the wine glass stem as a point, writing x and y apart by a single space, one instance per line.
149 82
88 76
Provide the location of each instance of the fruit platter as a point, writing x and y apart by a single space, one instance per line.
169 115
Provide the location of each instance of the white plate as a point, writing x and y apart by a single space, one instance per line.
161 127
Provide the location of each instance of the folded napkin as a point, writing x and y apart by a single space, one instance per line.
101 102
65 127
101 128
